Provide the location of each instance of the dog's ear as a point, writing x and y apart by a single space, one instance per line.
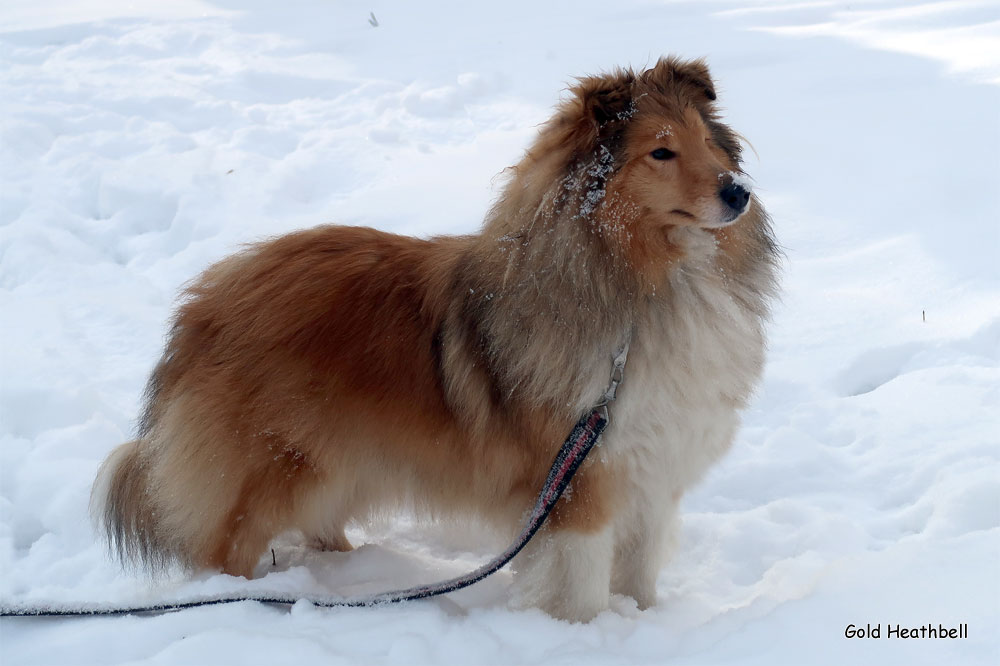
599 108
695 73
605 98
692 76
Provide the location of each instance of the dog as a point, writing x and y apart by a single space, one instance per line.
316 379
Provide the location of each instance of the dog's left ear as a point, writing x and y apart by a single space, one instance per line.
599 107
606 98
691 75
696 74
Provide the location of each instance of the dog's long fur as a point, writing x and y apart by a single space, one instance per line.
311 380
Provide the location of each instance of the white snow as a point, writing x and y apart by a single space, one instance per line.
139 141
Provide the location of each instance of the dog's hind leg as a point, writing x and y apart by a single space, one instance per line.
330 540
263 508
267 506
224 499
324 512
237 551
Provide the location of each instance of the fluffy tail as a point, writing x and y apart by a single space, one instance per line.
121 504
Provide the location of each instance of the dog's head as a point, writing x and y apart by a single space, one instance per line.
658 145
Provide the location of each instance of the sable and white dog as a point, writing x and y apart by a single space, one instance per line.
314 379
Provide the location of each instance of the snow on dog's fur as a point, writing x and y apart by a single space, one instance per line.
314 379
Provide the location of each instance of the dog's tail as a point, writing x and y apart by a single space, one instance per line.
121 503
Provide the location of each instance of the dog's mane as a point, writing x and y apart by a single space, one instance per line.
551 282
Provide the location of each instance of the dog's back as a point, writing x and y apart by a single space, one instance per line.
288 363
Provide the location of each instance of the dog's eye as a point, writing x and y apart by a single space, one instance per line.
663 154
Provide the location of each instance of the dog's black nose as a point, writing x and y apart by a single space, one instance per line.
736 196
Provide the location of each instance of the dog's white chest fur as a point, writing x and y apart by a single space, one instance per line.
693 364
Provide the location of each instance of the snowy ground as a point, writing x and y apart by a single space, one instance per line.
142 140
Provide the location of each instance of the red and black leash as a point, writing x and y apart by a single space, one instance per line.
574 450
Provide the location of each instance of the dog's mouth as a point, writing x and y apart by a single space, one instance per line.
719 223
724 221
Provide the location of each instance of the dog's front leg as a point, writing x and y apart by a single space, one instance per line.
566 573
642 543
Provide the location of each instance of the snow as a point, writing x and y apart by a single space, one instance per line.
140 141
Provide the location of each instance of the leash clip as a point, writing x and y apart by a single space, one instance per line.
617 377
